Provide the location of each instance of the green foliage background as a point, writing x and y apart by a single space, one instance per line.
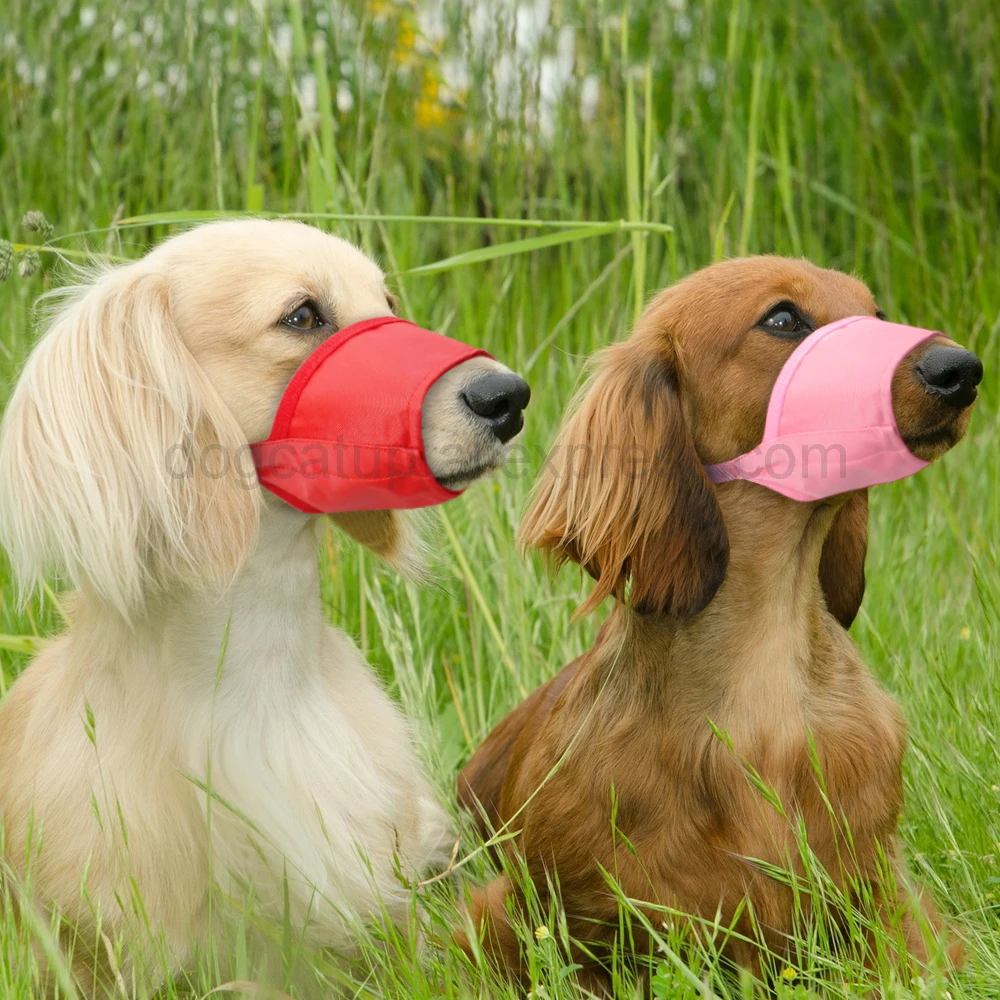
862 134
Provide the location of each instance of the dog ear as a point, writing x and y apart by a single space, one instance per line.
842 563
624 495
393 535
119 463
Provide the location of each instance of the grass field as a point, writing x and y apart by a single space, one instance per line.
863 134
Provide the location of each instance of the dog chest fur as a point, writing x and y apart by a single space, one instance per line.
658 778
251 708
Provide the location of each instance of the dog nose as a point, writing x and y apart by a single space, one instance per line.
952 374
499 398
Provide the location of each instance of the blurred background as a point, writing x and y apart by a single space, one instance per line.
862 134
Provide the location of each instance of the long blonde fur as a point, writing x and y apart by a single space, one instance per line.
86 490
201 724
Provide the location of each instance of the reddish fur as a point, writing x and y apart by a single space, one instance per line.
730 604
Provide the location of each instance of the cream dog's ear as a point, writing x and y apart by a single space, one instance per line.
119 463
393 535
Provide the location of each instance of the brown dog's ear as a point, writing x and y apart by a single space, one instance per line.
842 564
624 495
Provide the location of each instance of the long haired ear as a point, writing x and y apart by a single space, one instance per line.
842 563
624 495
393 535
119 463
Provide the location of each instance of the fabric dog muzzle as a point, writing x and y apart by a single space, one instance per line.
347 434
830 423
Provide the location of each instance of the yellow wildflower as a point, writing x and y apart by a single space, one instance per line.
406 37
542 933
428 109
428 113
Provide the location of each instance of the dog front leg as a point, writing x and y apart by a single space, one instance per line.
491 919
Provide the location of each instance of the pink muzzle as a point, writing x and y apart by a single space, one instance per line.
830 423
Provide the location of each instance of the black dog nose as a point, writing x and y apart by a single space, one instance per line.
499 398
952 374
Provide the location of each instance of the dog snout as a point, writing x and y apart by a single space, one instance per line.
499 398
951 374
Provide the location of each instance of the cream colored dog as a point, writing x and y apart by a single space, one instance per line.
200 721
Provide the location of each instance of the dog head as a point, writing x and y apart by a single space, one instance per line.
124 456
625 492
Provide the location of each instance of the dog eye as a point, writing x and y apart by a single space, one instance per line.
304 317
784 320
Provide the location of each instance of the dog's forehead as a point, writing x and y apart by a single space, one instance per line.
823 294
261 259
722 301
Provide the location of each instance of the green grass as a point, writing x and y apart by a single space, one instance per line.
863 134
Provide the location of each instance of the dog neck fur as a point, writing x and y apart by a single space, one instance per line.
255 642
766 627
242 705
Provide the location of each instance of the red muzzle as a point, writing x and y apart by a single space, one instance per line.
347 434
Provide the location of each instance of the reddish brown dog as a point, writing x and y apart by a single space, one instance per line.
730 610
